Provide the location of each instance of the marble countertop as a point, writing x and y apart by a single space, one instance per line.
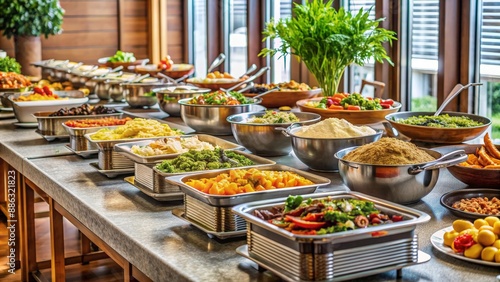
166 248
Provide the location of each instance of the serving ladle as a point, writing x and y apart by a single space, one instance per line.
251 69
454 92
174 81
250 79
217 61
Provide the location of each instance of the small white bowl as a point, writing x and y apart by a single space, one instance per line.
24 110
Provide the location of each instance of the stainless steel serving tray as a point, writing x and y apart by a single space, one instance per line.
224 201
159 197
161 182
125 148
337 256
53 125
412 218
109 144
111 173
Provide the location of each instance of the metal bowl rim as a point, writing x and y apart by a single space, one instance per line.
183 102
390 118
313 117
290 131
347 150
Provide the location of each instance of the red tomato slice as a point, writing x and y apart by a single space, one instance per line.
387 101
305 224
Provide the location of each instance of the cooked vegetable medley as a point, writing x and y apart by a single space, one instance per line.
444 120
274 117
220 97
204 160
325 216
248 180
354 101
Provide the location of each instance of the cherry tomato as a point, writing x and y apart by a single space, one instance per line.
387 101
47 90
462 242
38 90
396 218
303 223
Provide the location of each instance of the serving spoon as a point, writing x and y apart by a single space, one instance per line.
454 92
217 61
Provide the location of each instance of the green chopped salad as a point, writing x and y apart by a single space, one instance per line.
442 121
271 117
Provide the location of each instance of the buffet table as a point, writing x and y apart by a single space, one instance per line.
162 247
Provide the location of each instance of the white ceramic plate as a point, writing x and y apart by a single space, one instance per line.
437 242
26 124
42 103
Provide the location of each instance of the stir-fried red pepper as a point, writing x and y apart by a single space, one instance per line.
462 242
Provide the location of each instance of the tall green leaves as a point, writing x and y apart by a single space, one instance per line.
30 17
328 40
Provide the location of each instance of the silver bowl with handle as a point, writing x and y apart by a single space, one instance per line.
265 139
140 94
403 184
212 119
318 153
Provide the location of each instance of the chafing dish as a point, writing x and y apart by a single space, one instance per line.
125 148
214 212
337 256
53 125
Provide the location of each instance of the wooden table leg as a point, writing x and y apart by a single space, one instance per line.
84 246
28 257
57 244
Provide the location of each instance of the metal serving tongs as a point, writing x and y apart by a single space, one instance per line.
219 60
172 80
454 92
251 69
449 159
248 80
138 79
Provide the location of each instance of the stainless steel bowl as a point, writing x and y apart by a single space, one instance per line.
168 97
402 184
140 94
318 153
212 119
265 139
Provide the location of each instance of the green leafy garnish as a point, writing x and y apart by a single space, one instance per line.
9 64
292 202
122 57
328 40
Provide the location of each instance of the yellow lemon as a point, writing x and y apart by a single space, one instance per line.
480 222
486 237
488 253
491 220
460 224
486 227
474 251
496 227
497 244
449 237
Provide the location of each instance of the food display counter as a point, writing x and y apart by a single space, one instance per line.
162 247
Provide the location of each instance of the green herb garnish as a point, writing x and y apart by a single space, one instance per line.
328 41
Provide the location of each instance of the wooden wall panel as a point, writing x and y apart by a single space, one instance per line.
91 30
175 30
134 28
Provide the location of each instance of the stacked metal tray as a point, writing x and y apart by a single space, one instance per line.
155 180
333 257
213 213
53 125
109 159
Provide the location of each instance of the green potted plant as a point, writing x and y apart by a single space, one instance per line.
328 40
26 20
